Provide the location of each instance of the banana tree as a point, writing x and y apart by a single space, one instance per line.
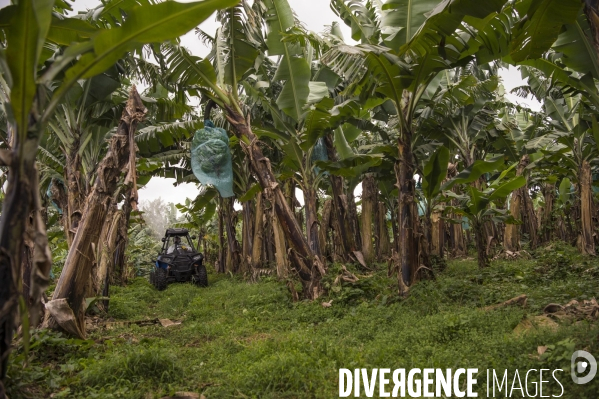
563 208
81 124
462 111
341 127
477 204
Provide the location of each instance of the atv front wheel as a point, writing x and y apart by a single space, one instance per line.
160 279
201 278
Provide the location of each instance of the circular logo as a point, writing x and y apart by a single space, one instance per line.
586 364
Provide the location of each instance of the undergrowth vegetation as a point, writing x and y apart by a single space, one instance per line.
242 340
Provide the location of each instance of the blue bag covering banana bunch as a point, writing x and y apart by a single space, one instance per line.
211 158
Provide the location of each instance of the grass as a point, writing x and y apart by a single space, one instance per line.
241 340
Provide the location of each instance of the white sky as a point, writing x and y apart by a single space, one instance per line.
315 14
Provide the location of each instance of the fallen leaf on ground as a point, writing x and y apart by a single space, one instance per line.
168 323
185 395
519 300
536 322
64 317
574 310
360 257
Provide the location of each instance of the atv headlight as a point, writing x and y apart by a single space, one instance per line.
198 257
166 259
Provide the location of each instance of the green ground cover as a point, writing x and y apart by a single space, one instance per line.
249 340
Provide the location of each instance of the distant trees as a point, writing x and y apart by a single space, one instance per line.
159 215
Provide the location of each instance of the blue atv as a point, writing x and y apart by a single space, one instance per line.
178 261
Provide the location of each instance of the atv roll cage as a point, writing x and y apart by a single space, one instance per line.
179 262
169 239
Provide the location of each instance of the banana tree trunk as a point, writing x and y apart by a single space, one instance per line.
233 260
202 245
458 241
107 248
369 201
221 237
21 199
511 237
119 271
437 234
456 231
300 216
247 236
307 264
586 208
76 192
269 242
311 206
325 228
354 222
491 234
530 219
571 229
548 223
27 262
76 272
59 197
20 235
340 208
407 215
394 227
280 252
481 245
384 242
95 285
258 238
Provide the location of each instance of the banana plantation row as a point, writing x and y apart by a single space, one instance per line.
414 111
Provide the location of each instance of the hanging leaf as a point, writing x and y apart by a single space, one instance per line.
564 190
296 73
343 149
361 18
435 171
68 30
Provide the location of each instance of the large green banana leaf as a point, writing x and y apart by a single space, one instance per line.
361 18
540 29
29 25
576 45
239 42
